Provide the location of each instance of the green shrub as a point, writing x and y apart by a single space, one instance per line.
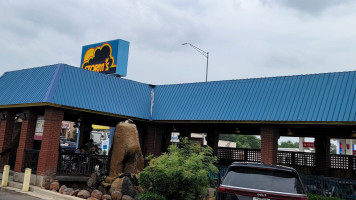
151 196
182 173
319 197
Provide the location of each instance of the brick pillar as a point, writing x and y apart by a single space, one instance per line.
6 129
212 140
322 155
269 144
26 138
153 140
48 158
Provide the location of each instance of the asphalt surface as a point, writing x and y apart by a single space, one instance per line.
12 195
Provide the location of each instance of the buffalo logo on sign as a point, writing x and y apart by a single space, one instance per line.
99 59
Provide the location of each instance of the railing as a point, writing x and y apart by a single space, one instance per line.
31 160
330 187
74 164
287 158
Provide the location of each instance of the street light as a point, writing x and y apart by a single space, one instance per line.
205 54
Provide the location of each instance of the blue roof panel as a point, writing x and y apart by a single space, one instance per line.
100 92
325 97
26 86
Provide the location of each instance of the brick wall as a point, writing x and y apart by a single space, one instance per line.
26 138
269 144
6 129
48 158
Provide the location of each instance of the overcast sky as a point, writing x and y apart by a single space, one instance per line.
246 39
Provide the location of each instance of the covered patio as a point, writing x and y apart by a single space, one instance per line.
320 106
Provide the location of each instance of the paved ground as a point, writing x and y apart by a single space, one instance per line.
12 195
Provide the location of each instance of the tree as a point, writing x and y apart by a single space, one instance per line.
182 173
242 141
289 144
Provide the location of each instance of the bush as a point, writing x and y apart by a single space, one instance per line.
151 196
182 173
319 197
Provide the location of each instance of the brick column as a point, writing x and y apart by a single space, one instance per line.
48 158
153 140
269 144
6 129
212 140
26 138
322 155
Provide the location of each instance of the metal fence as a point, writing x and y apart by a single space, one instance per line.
31 160
287 158
73 164
329 187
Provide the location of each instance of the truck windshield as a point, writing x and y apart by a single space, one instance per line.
264 179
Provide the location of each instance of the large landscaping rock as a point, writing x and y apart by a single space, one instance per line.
74 193
116 185
54 186
68 191
126 151
127 187
96 194
106 197
62 188
116 195
127 197
84 194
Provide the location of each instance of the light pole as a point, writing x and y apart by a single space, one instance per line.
205 54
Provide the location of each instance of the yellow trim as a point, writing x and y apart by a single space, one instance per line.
99 127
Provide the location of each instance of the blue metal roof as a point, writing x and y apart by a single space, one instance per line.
326 97
100 92
26 86
75 87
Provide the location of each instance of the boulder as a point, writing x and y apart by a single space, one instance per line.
127 187
92 180
96 194
126 151
127 197
46 183
116 195
102 189
116 185
84 194
137 197
68 191
54 186
92 198
74 193
106 197
138 189
62 188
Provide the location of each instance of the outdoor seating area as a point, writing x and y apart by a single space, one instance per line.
74 164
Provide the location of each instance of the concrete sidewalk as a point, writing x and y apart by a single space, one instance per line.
36 191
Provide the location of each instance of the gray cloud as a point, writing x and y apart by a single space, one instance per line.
246 39
309 6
